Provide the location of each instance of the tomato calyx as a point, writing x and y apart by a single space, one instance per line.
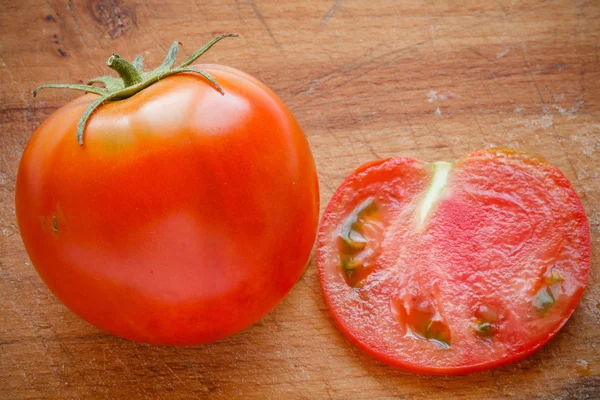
133 79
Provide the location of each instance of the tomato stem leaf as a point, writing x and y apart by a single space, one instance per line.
112 84
84 88
133 79
138 63
171 57
204 49
87 113
204 74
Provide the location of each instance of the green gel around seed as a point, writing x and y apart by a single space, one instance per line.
484 329
554 278
438 331
543 300
351 235
349 264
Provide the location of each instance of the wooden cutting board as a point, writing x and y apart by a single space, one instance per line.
366 79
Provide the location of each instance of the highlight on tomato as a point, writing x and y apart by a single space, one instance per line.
450 268
176 206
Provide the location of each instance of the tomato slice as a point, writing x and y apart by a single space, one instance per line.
449 268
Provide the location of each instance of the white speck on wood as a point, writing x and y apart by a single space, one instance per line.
545 122
502 53
433 96
569 111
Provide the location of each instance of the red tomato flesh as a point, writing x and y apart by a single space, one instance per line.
452 268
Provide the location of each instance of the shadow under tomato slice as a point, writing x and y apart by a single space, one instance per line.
449 268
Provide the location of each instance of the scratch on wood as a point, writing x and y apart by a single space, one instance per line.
482 56
261 19
356 63
329 14
172 372
546 110
71 9
197 6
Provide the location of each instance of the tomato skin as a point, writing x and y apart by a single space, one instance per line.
185 217
364 318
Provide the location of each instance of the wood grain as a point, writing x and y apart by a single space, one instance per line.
366 79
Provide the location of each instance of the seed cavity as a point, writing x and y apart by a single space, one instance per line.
543 300
438 331
553 278
484 329
352 232
422 318
547 291
356 251
485 322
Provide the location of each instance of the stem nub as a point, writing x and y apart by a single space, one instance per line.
134 79
126 71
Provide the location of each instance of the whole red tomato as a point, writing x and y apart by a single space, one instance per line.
185 216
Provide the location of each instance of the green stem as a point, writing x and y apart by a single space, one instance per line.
86 115
134 79
131 90
204 74
128 73
84 88
204 49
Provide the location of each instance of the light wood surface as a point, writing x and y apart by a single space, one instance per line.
366 79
